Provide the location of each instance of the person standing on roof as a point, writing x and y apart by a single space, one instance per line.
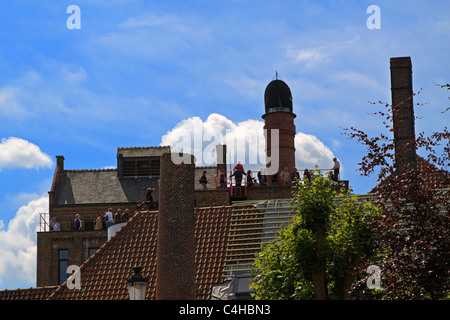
240 166
203 181
262 177
238 173
77 223
126 215
249 179
108 218
285 177
295 175
336 168
117 216
222 179
54 225
307 175
98 222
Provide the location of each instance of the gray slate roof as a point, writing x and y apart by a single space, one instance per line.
101 186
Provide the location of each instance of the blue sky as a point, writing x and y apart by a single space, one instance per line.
136 70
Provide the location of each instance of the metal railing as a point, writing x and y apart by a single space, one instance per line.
91 220
257 179
88 220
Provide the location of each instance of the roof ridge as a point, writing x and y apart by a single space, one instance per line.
90 170
30 288
148 147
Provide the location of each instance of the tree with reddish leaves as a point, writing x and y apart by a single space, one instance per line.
412 235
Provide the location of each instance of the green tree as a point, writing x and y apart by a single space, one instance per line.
315 254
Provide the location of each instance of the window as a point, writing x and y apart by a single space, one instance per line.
243 284
241 287
155 167
128 168
278 109
63 256
141 167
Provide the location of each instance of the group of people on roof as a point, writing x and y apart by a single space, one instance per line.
103 221
106 220
283 178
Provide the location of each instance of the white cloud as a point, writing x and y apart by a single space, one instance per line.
18 245
19 153
9 102
74 76
359 79
247 87
310 57
150 20
245 142
311 152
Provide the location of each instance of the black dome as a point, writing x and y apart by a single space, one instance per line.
278 97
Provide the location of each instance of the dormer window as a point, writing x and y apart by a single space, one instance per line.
141 167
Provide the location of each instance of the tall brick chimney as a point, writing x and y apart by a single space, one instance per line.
175 266
403 113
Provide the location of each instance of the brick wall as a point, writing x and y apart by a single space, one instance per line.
77 244
211 176
207 198
284 122
268 193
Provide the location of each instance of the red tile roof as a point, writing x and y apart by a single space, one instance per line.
227 239
211 235
434 178
104 275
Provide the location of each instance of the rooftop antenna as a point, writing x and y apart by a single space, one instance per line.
276 75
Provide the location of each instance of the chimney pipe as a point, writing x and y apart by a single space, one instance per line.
60 162
403 113
221 155
175 266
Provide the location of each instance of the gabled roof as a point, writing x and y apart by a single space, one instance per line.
104 275
434 178
227 239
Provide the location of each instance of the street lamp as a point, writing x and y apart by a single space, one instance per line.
137 285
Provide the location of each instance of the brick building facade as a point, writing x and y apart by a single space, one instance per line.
92 192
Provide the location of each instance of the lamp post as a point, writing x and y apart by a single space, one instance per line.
137 285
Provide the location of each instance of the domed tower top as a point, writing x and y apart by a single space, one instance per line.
278 97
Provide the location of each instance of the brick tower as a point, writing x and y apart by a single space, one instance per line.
279 115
